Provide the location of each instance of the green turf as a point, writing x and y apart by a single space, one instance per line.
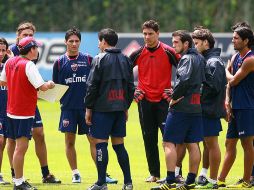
134 143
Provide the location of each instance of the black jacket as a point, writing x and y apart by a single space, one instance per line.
110 84
190 74
214 87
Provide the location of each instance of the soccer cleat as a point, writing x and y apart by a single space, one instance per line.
76 178
221 183
165 186
208 186
24 186
110 180
98 187
240 184
127 186
2 182
186 187
202 180
163 180
180 179
50 179
152 179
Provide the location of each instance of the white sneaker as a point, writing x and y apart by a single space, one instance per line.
76 178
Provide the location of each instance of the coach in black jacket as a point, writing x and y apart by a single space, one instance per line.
212 101
110 91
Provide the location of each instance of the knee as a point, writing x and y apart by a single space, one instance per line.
38 136
70 144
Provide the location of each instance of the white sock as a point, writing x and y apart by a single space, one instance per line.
204 172
75 171
18 181
177 170
212 181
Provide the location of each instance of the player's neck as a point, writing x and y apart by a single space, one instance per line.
244 51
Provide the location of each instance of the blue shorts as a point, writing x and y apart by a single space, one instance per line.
73 120
242 125
183 128
19 128
37 119
107 124
211 126
3 125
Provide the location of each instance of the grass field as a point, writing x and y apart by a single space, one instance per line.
59 166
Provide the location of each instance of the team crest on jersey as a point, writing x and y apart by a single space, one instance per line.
74 67
66 122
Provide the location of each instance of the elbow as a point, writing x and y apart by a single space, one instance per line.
233 82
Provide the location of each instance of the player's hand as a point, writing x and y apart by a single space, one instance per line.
51 84
167 93
173 102
138 95
88 117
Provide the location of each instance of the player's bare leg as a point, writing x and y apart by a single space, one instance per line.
40 145
229 158
247 144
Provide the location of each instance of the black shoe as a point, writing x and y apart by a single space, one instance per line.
24 186
165 186
186 187
50 179
202 180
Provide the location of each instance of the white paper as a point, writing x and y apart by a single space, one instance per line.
54 94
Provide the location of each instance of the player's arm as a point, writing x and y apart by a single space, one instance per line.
35 78
93 83
243 71
184 73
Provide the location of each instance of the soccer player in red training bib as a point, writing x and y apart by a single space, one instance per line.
26 29
22 79
109 95
154 61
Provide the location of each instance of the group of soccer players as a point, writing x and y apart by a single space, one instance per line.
187 113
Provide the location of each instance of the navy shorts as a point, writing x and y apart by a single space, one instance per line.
72 121
19 128
211 126
183 128
242 125
37 119
107 124
3 125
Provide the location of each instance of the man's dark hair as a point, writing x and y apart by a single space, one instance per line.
4 42
73 31
245 33
151 24
240 24
109 35
25 51
204 34
184 36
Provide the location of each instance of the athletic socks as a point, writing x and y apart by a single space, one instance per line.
123 160
101 162
12 173
177 170
204 172
75 171
170 177
190 178
45 171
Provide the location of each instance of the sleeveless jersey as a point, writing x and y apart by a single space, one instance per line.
243 93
